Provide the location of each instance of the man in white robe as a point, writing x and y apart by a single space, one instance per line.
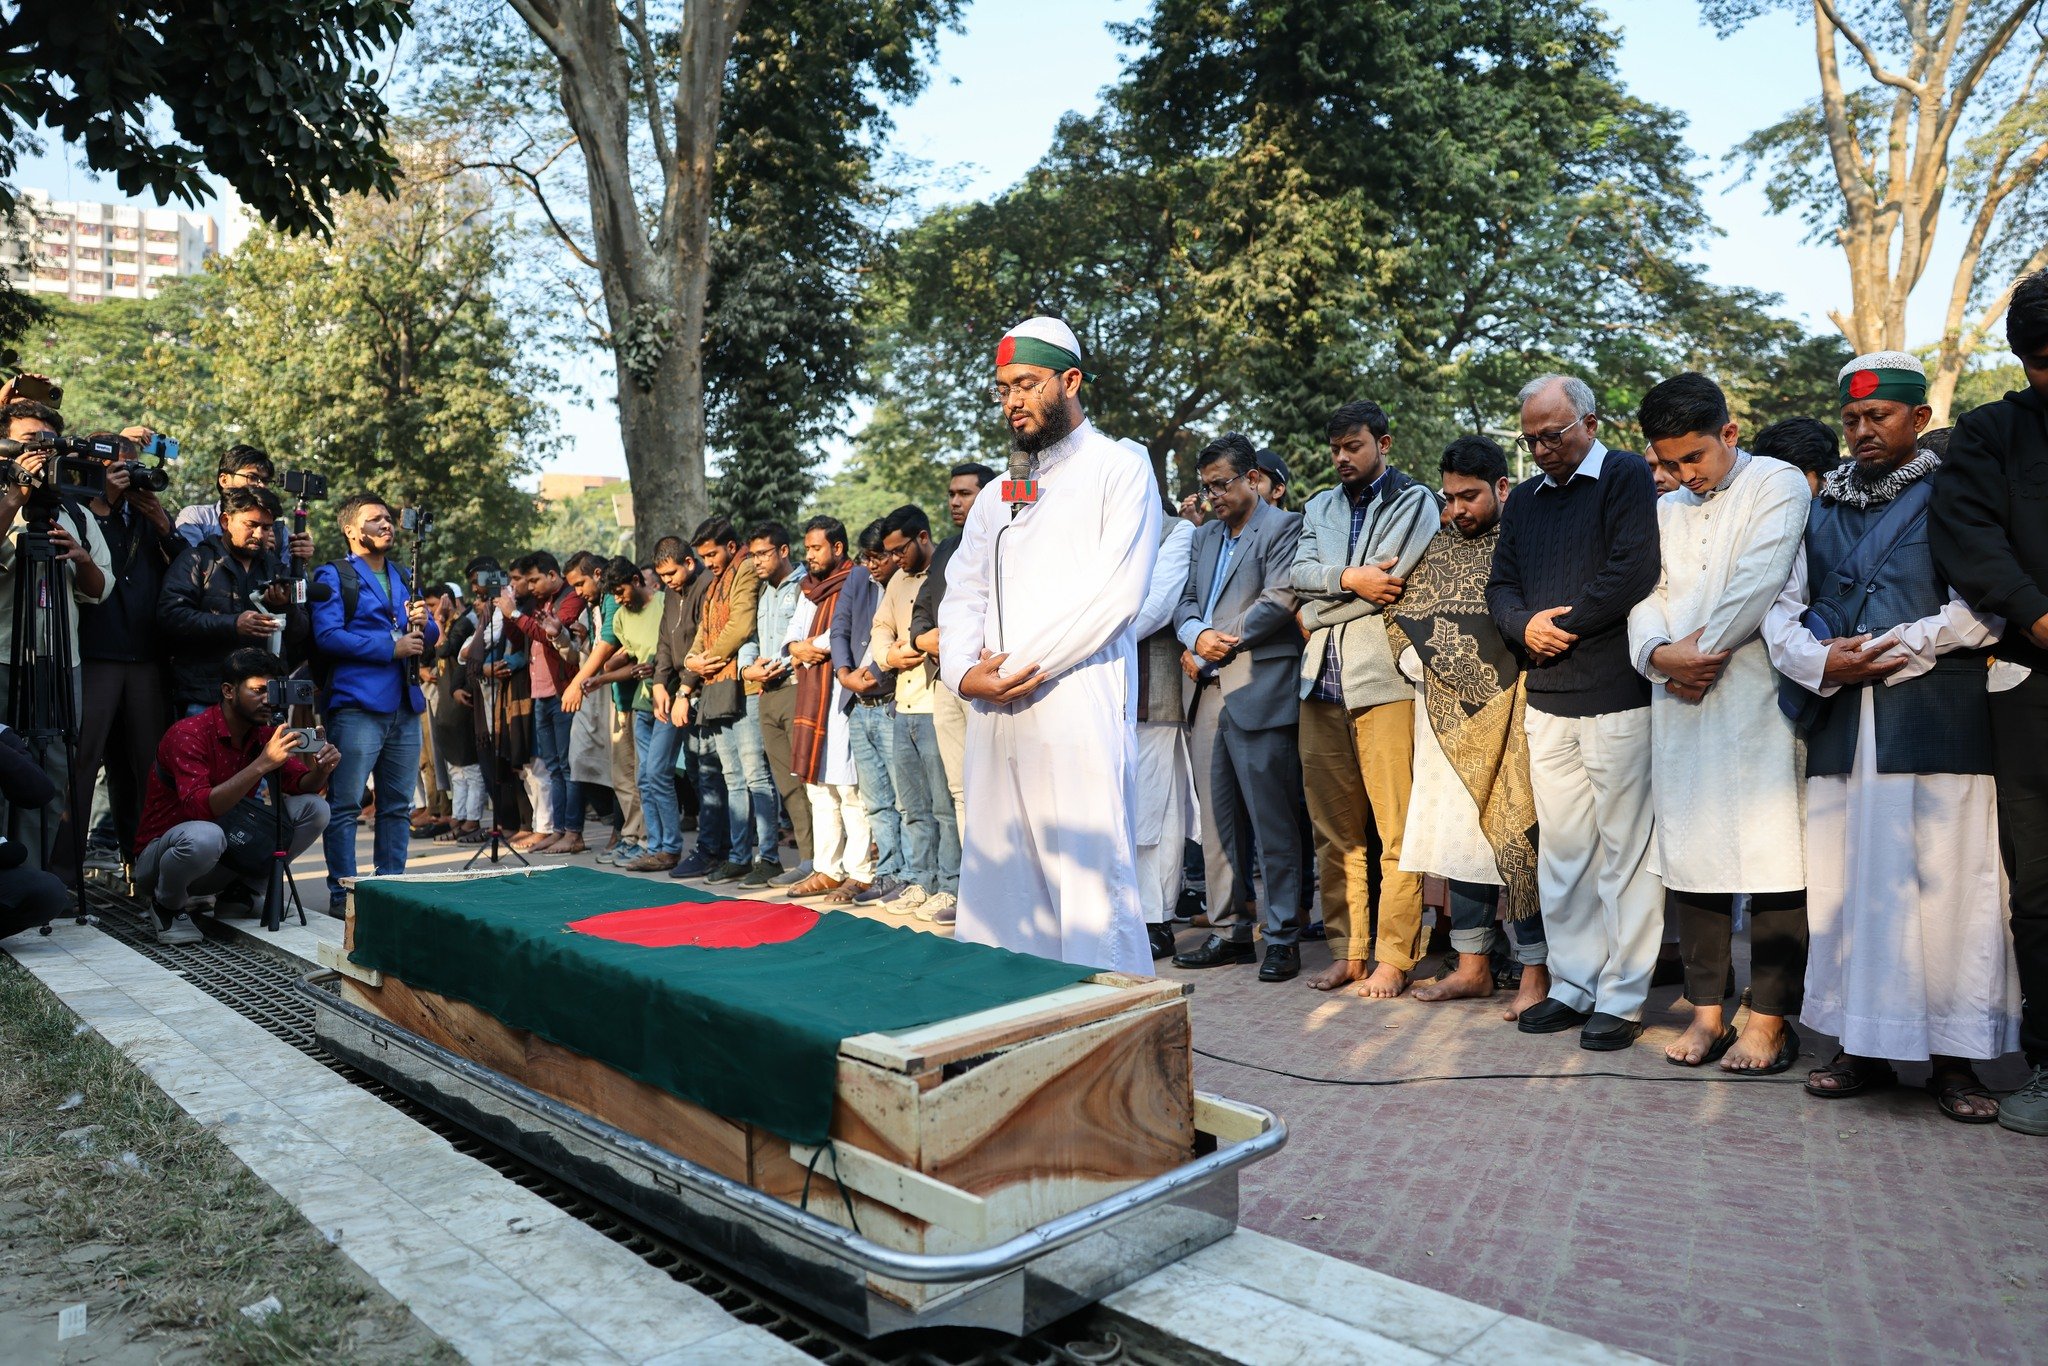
1036 635
1166 792
1909 956
1725 772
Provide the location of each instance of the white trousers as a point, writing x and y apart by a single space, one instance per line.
540 795
468 782
1603 909
841 843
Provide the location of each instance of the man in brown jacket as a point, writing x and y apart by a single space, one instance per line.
728 708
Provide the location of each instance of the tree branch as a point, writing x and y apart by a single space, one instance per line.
533 187
650 86
1863 50
546 23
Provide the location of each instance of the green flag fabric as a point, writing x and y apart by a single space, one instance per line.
751 1033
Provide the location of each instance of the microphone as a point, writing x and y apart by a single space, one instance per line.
1020 490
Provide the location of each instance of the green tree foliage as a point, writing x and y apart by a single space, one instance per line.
1283 206
587 521
276 97
382 358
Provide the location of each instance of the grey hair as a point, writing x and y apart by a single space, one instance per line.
1576 391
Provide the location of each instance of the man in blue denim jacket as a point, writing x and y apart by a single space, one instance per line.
370 630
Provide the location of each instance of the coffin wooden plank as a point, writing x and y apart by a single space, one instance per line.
970 1036
899 1187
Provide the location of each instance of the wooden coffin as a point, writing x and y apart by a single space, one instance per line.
950 1137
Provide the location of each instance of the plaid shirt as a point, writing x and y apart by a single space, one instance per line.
1330 682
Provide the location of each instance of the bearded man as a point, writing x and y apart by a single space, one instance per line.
1036 635
1908 956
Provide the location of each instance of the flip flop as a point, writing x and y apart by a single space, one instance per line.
1788 1053
1856 1077
1721 1044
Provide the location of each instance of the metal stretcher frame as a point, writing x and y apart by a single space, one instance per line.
1019 1285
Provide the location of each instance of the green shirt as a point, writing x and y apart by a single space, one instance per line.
637 631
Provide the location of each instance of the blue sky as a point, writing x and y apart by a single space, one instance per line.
1003 83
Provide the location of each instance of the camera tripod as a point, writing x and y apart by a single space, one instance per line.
45 705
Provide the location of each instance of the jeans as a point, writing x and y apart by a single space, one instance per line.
386 743
750 801
1472 929
2019 723
931 836
874 741
656 742
698 760
551 727
184 861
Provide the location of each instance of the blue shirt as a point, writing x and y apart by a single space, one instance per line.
1191 631
366 675
772 611
1330 682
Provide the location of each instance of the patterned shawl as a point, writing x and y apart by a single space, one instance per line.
814 683
717 616
1474 696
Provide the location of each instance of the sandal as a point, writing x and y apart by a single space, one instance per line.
1721 1044
1953 1085
1856 1076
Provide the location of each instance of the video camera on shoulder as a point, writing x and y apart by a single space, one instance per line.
76 468
281 695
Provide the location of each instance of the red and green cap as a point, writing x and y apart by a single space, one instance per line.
1047 342
1893 375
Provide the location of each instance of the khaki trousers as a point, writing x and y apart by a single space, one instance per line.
949 719
1357 767
626 777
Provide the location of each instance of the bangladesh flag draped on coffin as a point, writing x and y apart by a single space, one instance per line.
737 1006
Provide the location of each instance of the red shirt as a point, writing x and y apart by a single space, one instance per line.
195 756
565 607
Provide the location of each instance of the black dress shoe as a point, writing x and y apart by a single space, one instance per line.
1282 962
1550 1016
1216 952
1606 1033
1162 940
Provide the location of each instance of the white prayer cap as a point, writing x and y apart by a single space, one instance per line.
1893 375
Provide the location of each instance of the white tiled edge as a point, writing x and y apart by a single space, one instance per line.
434 1228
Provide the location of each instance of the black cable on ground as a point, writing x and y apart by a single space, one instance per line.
1696 1078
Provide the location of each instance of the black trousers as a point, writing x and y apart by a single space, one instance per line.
119 727
1777 948
2019 727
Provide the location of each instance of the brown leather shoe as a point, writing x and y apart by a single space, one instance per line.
816 885
845 892
653 863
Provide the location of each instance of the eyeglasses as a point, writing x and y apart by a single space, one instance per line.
999 394
1216 488
1529 445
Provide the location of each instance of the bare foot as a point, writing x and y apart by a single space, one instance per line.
1384 983
1472 979
1691 1048
1757 1046
1341 972
1535 987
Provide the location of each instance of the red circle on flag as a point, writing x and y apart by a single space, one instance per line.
1005 349
701 925
1863 384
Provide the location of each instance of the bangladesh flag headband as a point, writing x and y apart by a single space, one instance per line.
1900 386
1016 350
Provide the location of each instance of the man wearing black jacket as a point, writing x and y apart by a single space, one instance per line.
1989 530
28 896
207 610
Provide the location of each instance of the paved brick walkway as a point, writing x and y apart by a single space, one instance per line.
1687 1219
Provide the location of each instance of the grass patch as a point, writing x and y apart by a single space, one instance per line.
189 1237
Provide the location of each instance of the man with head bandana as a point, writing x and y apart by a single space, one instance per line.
1886 673
1036 635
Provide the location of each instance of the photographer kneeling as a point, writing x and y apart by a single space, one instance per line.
206 779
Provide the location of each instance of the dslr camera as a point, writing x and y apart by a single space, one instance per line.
154 477
281 695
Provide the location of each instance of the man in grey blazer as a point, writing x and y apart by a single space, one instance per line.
1236 618
1358 541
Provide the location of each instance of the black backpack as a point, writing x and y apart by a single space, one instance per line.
351 584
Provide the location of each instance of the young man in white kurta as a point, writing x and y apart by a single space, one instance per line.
1910 958
1036 633
1725 763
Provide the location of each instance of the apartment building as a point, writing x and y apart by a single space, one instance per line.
87 252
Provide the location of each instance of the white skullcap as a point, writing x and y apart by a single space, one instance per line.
1883 360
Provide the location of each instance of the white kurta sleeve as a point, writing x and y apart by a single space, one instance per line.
1954 627
1777 531
1169 577
1795 651
963 611
1649 621
1106 579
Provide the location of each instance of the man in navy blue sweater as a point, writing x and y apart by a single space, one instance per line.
372 632
1578 549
